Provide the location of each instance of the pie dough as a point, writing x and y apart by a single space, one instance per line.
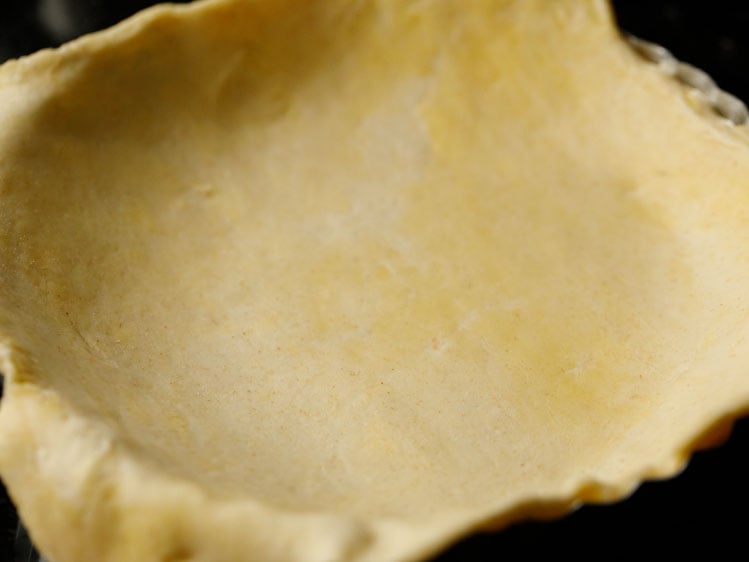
335 280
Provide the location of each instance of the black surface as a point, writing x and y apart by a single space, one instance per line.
706 506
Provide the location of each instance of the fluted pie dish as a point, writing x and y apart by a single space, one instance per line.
334 280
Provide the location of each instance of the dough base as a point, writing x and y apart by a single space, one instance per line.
335 280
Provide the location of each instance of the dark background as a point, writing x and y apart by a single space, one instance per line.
707 506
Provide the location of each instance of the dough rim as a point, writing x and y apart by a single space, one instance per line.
140 501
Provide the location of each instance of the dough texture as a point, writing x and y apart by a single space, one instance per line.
345 280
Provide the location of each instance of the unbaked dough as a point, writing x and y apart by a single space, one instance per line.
288 280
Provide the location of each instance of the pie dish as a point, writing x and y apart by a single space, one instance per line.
335 280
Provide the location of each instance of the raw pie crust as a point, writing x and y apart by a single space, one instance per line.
287 280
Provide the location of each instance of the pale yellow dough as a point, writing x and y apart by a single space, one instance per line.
344 280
